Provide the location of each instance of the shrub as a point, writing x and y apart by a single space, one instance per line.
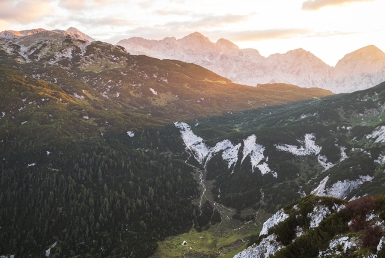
358 224
360 207
371 236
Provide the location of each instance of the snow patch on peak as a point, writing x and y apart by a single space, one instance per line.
278 217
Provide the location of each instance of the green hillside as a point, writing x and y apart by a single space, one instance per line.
341 121
90 162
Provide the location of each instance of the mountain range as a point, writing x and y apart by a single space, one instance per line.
88 129
108 154
358 70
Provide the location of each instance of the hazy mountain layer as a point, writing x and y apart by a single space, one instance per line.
358 70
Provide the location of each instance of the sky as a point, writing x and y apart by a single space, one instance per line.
327 28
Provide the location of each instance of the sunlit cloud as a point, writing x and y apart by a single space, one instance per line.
146 4
77 5
72 4
256 35
330 34
24 11
208 21
106 1
318 4
170 12
104 21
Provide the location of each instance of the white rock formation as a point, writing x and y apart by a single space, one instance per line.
319 213
309 147
340 189
268 246
203 153
378 134
337 245
278 217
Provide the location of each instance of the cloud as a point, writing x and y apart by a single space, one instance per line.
90 24
313 5
73 4
330 34
146 4
106 1
170 12
208 21
255 35
104 21
24 11
78 5
235 36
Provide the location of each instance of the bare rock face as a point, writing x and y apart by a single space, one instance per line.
73 32
11 34
358 70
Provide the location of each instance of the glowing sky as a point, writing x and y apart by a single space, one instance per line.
327 28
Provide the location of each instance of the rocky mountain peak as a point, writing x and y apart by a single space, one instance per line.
226 44
196 41
197 35
369 53
75 33
16 34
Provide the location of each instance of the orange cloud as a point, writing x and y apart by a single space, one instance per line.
24 11
254 35
199 22
313 5
77 5
72 4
